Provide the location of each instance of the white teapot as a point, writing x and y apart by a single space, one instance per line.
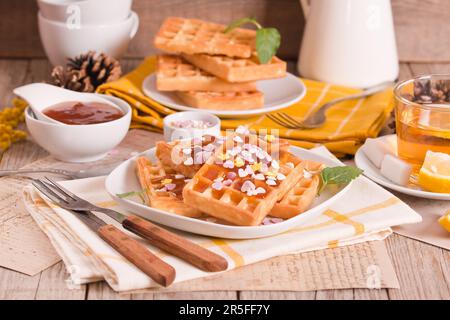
349 42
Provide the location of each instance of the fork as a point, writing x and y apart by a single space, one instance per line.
318 118
157 236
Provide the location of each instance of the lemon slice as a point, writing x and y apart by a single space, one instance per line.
445 221
435 173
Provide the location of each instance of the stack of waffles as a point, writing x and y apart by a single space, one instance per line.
210 69
241 179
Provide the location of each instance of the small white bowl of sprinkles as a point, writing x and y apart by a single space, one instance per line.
190 124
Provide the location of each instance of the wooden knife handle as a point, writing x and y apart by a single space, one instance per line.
140 256
176 245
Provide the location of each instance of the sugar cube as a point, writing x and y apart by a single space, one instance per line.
396 170
376 149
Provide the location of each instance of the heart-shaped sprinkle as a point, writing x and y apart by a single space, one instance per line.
217 185
290 165
238 162
256 166
280 176
249 169
276 220
179 176
242 130
187 151
228 164
188 162
275 164
271 182
248 186
166 181
227 182
231 175
170 186
260 190
242 173
259 176
238 139
187 180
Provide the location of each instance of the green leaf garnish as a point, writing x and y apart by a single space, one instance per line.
237 23
267 39
267 43
338 175
140 194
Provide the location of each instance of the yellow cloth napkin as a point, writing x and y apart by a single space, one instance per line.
348 123
365 213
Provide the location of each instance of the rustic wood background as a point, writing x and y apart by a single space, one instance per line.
422 26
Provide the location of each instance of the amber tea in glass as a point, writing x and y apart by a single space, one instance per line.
423 117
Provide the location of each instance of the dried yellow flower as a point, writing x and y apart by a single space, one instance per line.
10 118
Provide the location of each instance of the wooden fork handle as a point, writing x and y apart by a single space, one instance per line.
140 256
176 245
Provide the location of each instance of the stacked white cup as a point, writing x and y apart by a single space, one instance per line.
69 28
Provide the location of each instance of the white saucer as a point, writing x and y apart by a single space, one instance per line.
278 94
373 173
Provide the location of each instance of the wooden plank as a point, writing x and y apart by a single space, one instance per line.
370 294
102 291
335 294
422 30
54 284
203 295
419 270
17 286
277 295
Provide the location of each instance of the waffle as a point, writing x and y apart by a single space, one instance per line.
154 181
175 74
232 188
173 155
169 152
210 100
301 196
180 35
238 70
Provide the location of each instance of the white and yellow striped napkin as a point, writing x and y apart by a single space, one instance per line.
365 213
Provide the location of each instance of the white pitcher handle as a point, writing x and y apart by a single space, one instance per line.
135 25
306 5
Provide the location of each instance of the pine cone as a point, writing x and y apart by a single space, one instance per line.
86 72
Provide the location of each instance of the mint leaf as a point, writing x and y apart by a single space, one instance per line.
267 39
267 43
338 175
237 23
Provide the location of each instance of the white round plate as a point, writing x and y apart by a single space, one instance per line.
373 173
278 94
123 179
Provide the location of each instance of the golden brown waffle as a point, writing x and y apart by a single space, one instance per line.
210 100
239 69
186 157
231 187
173 155
191 36
176 74
163 190
302 195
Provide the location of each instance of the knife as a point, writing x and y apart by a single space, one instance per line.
157 236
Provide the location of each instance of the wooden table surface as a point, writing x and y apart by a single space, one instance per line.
423 270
